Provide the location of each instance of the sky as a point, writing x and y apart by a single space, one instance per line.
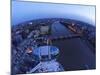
25 11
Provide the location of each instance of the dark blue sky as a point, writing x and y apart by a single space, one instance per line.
25 11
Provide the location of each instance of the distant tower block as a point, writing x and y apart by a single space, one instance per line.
46 55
